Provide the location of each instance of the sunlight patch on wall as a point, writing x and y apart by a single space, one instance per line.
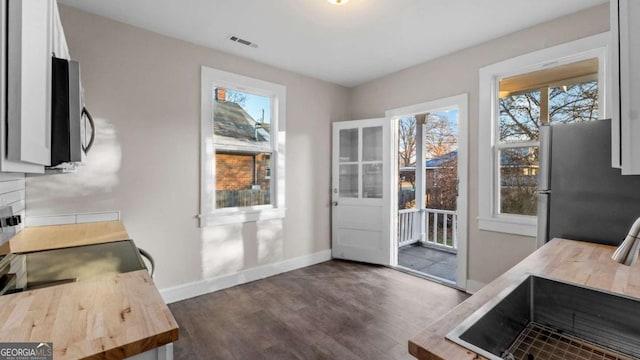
222 250
98 175
270 244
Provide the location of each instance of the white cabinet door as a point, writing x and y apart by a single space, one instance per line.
59 47
29 81
7 165
361 212
161 353
625 27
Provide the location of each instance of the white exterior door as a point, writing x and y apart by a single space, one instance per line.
361 204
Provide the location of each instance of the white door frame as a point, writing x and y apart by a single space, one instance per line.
461 103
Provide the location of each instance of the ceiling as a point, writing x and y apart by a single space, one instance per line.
348 44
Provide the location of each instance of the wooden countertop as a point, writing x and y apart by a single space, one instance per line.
61 236
107 317
566 260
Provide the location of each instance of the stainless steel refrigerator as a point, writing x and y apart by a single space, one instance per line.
580 195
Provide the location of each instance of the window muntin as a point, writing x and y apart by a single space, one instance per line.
522 111
492 86
256 141
360 163
243 147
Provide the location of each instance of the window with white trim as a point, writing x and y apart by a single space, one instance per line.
563 84
242 157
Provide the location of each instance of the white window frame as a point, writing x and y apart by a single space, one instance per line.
596 46
209 215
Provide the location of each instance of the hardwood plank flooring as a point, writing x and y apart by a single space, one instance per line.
334 310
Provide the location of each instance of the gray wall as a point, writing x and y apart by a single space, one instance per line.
490 253
144 91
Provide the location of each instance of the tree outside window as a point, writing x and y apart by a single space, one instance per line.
440 147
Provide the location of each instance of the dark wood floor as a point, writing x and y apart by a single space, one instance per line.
334 310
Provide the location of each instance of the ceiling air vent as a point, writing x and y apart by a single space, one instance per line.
242 41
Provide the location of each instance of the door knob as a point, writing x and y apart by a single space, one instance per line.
335 203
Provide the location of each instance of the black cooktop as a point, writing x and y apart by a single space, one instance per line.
33 270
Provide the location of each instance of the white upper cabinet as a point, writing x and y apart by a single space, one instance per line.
27 41
625 30
59 46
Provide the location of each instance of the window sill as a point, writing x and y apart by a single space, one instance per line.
242 216
526 226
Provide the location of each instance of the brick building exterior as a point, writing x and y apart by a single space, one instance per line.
241 171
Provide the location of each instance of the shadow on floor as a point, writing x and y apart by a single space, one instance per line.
428 261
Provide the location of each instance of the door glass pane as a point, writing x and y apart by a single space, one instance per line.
519 181
348 145
372 143
348 183
372 181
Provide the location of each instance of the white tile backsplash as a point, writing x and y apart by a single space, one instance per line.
72 218
97 217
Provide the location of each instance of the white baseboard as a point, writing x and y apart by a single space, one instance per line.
473 286
205 286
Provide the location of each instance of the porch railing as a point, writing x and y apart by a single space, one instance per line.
439 228
408 226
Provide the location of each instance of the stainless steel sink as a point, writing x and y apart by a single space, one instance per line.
563 317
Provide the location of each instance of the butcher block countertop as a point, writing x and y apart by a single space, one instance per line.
572 261
107 317
61 236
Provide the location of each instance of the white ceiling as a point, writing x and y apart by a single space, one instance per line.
348 44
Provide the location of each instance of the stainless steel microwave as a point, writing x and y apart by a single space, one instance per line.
71 139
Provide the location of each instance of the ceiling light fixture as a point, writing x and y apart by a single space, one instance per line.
338 2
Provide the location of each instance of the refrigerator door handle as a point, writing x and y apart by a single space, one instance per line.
544 176
543 219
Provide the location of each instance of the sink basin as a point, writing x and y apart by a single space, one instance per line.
540 318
